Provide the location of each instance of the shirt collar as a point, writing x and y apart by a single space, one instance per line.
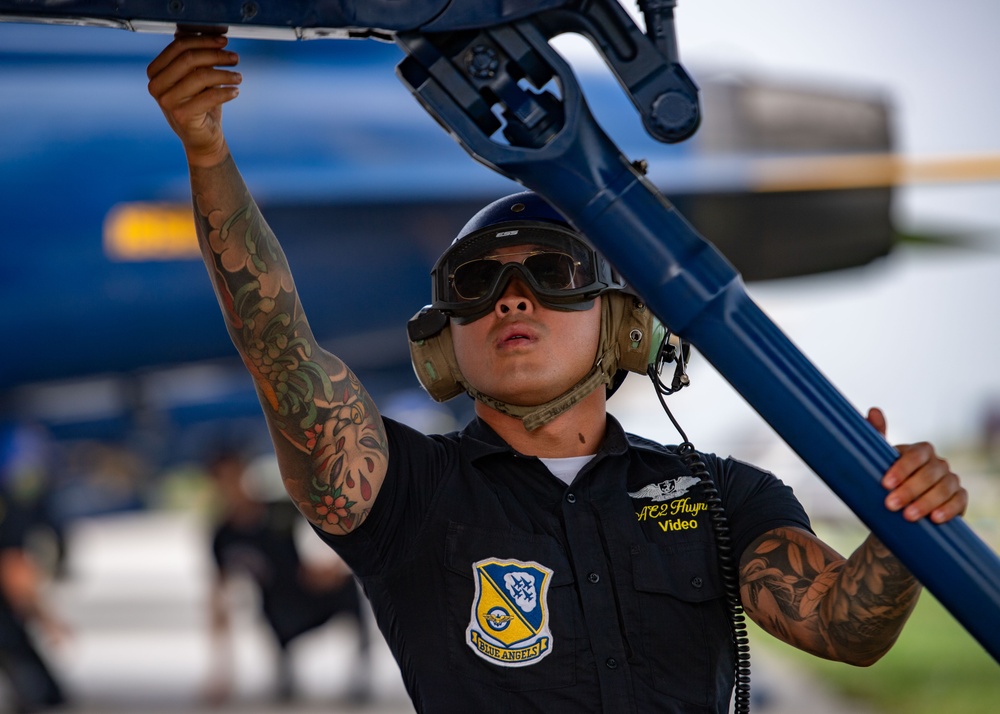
479 440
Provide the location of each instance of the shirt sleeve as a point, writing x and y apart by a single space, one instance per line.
756 501
418 464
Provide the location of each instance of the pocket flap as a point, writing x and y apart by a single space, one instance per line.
689 572
468 544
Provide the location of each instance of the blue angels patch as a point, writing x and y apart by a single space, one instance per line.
510 615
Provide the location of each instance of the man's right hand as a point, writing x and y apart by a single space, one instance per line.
187 83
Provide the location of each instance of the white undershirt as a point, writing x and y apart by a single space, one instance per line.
567 467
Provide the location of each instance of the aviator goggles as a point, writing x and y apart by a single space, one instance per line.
563 271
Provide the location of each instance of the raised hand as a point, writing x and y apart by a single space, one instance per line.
189 82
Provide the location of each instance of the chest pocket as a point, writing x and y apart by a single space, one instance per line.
513 620
686 636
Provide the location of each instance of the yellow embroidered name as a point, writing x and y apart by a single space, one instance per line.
673 508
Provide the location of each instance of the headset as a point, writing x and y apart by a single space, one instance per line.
636 339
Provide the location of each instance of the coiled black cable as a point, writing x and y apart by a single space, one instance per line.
728 570
717 518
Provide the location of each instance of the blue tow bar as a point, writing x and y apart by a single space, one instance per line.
695 291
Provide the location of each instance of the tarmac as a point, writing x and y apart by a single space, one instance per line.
134 599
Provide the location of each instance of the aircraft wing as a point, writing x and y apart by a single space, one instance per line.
361 185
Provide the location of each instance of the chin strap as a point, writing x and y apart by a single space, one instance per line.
535 416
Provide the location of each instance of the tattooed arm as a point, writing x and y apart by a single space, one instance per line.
803 592
327 434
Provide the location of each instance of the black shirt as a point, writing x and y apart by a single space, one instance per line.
501 589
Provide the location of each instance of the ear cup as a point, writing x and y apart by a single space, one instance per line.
640 342
637 331
433 355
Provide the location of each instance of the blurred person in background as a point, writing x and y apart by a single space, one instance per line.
256 538
23 611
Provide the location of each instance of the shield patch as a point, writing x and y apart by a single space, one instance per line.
510 614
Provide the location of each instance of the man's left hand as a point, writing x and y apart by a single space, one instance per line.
920 483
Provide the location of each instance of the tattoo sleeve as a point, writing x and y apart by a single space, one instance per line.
328 435
803 592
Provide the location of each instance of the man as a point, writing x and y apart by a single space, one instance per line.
502 584
256 538
31 682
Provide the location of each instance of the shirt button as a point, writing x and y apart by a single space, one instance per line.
697 582
571 498
611 663
594 578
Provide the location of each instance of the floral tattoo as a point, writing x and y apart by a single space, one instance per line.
310 397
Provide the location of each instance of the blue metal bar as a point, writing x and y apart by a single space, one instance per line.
699 295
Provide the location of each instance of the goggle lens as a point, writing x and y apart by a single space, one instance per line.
549 270
563 271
